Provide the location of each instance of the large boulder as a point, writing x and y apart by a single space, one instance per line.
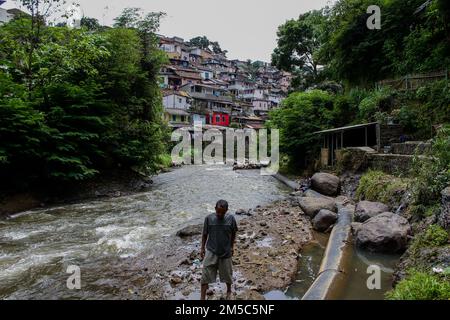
387 233
444 216
324 220
311 206
314 194
326 184
190 231
367 209
355 227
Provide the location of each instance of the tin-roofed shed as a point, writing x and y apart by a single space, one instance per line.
373 135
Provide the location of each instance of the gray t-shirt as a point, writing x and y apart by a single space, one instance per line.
220 234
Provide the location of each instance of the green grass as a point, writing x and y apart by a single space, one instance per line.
381 187
434 236
421 286
164 161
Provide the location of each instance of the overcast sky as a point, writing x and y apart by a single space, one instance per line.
246 28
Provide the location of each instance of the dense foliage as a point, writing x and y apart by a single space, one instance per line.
337 38
76 102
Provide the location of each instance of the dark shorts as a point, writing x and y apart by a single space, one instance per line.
212 264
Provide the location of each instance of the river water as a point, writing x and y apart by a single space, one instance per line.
37 247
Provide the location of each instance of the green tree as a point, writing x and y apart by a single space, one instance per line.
300 115
91 24
201 42
298 43
204 43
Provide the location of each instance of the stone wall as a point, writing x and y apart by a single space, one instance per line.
410 148
389 134
390 163
353 159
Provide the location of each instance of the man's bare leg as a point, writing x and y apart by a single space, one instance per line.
205 288
229 293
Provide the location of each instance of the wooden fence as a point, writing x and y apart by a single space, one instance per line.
414 81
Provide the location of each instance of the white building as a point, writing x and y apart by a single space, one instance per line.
177 100
261 105
206 73
5 16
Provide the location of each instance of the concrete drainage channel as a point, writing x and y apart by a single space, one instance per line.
330 273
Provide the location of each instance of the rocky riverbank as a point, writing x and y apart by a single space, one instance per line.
268 245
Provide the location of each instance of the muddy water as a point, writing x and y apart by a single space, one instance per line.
354 286
308 268
37 247
353 283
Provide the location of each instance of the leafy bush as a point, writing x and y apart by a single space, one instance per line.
377 101
421 286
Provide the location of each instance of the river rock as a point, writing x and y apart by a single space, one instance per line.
355 227
387 233
324 220
444 216
190 231
176 280
312 206
314 194
243 212
367 209
325 183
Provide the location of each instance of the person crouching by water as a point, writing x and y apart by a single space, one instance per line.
219 235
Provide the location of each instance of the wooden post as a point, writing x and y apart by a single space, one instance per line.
366 137
342 140
378 126
332 150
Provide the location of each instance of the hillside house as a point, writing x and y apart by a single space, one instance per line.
261 105
176 100
212 102
176 117
176 106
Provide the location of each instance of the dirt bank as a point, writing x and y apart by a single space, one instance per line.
266 258
116 183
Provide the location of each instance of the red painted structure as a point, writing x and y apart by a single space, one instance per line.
219 119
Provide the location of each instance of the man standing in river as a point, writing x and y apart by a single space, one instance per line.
219 235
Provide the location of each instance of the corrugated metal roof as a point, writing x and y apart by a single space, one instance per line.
347 128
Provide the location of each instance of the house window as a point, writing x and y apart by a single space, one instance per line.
174 118
180 100
183 118
217 118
